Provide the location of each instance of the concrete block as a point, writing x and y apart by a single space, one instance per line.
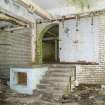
34 75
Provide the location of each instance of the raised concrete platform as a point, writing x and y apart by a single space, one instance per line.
33 77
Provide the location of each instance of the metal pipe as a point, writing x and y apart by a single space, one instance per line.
32 7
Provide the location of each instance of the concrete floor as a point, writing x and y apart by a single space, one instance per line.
81 95
71 103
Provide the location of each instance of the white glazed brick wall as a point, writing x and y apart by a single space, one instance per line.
93 74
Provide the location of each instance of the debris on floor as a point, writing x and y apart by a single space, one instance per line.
81 95
85 95
3 93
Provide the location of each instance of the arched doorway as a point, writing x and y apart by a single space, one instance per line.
48 45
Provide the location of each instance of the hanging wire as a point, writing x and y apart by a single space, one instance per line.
92 18
77 22
63 21
92 21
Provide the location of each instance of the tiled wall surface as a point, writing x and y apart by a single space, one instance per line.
15 49
95 73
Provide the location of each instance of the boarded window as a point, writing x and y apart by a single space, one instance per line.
22 78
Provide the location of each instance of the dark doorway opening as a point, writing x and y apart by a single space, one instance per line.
50 45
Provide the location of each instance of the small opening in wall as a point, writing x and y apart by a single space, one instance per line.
22 78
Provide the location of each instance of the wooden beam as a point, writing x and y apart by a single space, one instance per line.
50 38
51 33
13 29
3 17
22 15
72 16
32 7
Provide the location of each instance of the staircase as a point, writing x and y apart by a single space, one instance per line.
57 81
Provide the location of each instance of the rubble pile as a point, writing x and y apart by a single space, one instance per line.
3 89
5 92
85 95
81 95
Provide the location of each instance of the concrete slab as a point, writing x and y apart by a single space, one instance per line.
34 75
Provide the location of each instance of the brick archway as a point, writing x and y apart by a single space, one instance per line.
39 55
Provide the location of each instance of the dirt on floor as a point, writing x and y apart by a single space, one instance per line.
81 95
86 95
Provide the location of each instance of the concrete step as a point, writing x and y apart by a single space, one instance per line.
48 103
43 86
46 91
56 73
58 95
59 84
56 88
58 76
44 81
55 85
52 82
61 65
57 79
61 69
59 89
54 91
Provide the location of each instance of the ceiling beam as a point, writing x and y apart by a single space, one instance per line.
52 33
50 38
34 8
73 16
15 10
13 29
4 17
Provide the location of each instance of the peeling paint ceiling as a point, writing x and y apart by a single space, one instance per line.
51 4
63 7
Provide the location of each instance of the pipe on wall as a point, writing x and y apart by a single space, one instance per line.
34 8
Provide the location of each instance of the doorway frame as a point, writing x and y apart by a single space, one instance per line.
39 48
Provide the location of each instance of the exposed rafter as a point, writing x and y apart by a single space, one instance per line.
73 16
13 29
54 34
4 17
50 38
32 7
12 9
